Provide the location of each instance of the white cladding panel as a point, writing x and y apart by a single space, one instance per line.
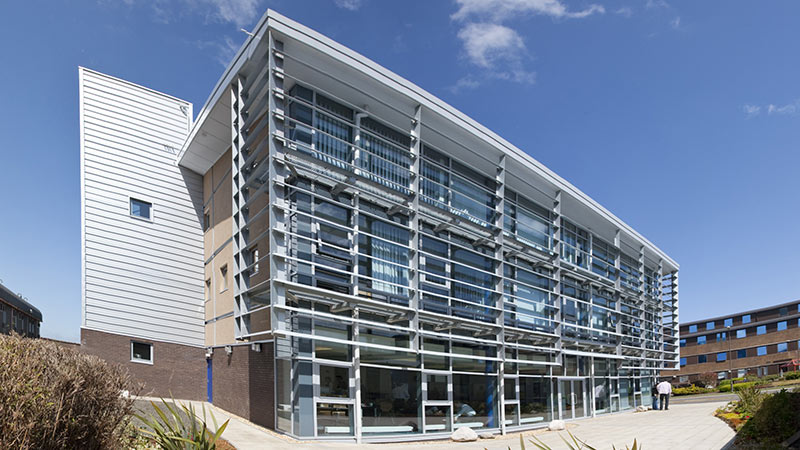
140 278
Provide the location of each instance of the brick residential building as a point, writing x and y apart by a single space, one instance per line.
758 342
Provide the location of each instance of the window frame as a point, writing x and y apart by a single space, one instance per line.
150 219
139 360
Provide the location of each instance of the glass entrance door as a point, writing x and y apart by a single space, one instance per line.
572 394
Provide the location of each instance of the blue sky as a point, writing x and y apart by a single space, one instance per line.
682 118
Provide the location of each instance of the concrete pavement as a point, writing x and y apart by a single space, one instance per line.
690 425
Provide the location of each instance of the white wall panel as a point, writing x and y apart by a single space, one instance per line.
140 278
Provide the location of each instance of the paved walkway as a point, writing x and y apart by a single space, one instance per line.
683 426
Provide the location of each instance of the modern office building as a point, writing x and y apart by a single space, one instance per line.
17 315
764 341
330 251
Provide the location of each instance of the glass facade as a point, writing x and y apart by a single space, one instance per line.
415 288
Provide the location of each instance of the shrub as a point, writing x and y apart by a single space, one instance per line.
174 428
691 390
708 379
55 397
777 419
792 376
750 398
726 387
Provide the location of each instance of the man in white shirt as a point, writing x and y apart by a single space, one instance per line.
664 390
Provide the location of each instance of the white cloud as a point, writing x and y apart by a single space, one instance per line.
790 109
499 10
625 11
656 4
464 84
751 110
352 5
488 43
237 12
676 22
772 109
496 48
223 51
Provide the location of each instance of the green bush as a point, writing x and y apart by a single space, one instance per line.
777 419
691 390
726 387
53 397
750 399
174 428
792 376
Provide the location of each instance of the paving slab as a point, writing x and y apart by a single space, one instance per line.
691 425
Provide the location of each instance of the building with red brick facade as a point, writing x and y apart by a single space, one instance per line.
758 342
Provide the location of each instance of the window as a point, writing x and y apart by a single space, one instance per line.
721 337
710 325
761 351
683 362
701 340
683 342
206 221
208 289
683 378
255 261
701 359
334 381
728 322
746 318
762 329
741 333
783 311
722 357
141 209
782 325
141 352
223 278
692 328
721 375
741 353
741 373
783 347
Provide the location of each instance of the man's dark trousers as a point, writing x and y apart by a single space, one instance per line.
664 401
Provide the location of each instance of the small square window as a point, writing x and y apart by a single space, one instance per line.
709 325
683 342
761 351
701 340
741 373
141 209
722 357
741 353
683 362
783 311
141 352
783 347
762 329
782 325
741 333
701 359
692 328
746 318
683 378
223 278
728 322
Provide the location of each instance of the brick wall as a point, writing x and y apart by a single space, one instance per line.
177 370
244 383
